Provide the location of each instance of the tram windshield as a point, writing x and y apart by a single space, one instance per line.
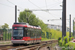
17 32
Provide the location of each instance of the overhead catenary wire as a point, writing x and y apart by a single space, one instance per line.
46 3
51 14
40 16
14 4
10 2
44 9
55 5
38 7
52 4
6 5
34 4
54 15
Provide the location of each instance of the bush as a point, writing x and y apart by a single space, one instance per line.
6 36
66 42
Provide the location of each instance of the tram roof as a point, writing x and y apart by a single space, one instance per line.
26 25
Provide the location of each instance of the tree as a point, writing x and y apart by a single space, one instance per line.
28 17
5 26
0 27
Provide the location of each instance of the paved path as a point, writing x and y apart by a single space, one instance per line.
57 47
5 42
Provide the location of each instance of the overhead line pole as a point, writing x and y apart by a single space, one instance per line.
70 27
15 13
64 19
73 28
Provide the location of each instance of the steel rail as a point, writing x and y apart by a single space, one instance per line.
29 47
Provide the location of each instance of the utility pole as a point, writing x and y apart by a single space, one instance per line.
70 27
73 28
64 19
15 13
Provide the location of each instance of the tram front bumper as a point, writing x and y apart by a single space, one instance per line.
17 41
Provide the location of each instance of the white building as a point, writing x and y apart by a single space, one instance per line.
52 26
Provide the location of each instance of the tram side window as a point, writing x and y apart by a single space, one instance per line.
28 32
25 31
31 32
36 32
39 33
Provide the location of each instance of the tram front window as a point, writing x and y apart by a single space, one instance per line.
18 33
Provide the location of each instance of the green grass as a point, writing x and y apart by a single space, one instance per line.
8 47
45 39
70 47
71 44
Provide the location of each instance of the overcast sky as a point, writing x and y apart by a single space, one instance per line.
7 10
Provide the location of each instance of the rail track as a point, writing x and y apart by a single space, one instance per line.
29 47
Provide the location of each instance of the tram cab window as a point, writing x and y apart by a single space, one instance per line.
17 32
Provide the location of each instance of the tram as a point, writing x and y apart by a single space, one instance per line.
23 33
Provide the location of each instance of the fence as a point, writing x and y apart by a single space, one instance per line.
5 35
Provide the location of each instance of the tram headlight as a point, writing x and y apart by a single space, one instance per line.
13 38
21 37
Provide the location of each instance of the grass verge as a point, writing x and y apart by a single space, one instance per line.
45 39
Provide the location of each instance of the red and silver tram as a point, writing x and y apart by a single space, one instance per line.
25 33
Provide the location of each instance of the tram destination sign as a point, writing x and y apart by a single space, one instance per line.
17 27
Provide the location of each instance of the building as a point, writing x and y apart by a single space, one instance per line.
56 27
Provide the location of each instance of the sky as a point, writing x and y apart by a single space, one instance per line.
7 10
